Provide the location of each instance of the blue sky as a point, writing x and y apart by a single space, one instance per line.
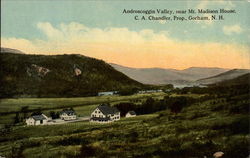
33 21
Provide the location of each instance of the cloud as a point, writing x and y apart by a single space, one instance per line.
19 43
144 48
49 30
229 30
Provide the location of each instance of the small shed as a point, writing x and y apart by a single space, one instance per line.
131 114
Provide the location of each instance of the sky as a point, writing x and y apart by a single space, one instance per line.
101 30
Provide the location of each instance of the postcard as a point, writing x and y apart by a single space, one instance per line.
112 79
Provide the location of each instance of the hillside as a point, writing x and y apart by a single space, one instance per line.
58 76
200 129
240 80
168 76
231 74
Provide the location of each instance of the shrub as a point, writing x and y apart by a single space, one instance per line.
91 151
237 147
240 125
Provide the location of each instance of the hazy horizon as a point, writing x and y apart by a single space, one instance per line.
134 67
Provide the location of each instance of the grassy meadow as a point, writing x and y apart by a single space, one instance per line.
14 105
82 105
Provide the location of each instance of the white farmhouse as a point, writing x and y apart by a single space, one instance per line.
130 114
68 115
105 114
37 120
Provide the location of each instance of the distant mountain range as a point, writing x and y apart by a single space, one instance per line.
23 75
168 76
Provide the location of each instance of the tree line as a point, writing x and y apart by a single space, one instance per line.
174 104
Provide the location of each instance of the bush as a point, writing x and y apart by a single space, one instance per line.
237 147
125 107
240 126
91 151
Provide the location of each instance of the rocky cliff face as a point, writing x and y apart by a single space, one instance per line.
35 70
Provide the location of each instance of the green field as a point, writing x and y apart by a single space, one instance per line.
13 105
83 106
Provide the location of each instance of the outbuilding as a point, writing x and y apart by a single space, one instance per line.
130 114
37 120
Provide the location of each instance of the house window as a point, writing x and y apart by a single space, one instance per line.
41 121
